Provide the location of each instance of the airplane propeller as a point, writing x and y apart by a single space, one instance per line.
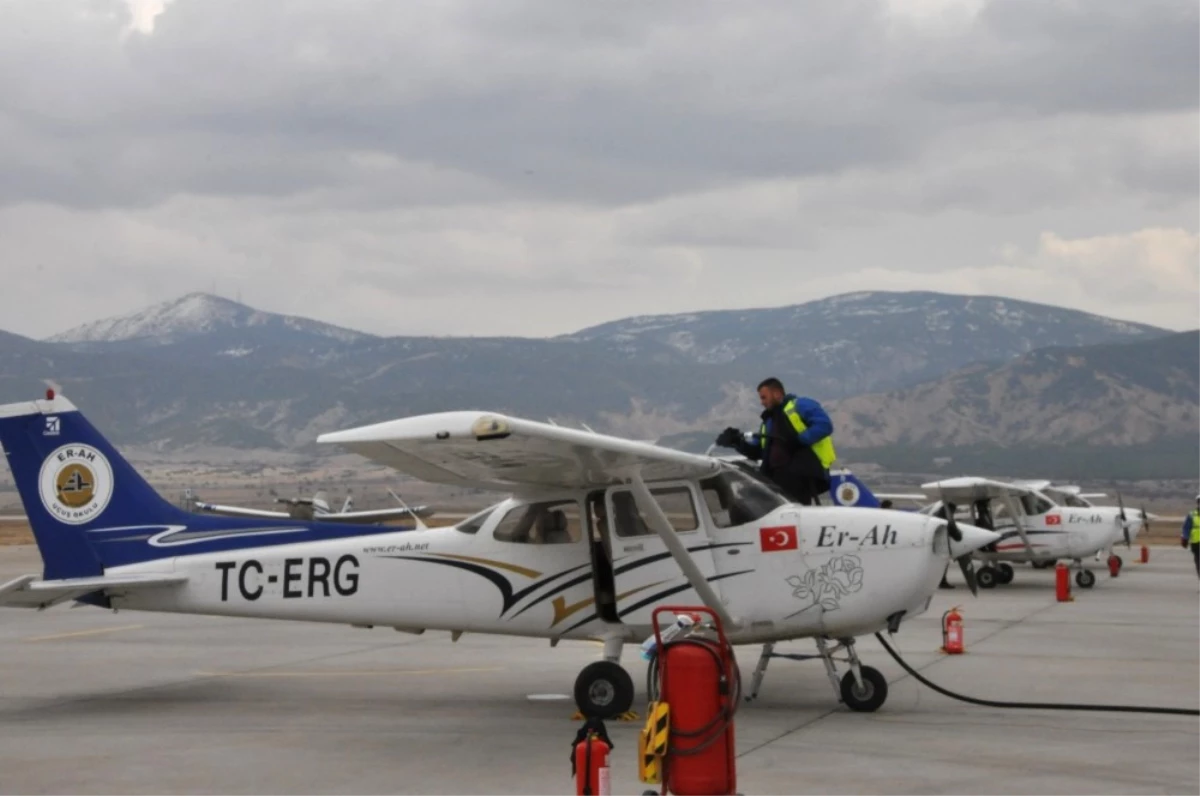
1124 521
964 561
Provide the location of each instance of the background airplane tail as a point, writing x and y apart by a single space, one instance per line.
71 481
846 489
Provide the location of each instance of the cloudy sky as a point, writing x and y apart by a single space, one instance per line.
481 167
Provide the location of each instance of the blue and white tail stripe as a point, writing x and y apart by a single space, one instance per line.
90 510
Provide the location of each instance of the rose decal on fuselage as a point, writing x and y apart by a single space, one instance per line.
826 586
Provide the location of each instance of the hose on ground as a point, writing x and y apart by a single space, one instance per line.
991 703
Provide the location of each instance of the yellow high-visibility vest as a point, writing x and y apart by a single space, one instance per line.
824 449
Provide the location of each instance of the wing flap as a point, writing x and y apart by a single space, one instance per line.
29 592
492 451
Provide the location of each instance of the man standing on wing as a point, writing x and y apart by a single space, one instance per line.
794 444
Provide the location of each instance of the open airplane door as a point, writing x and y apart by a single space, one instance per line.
645 571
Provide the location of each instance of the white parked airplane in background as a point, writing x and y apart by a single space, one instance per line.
1033 528
1039 523
316 507
598 531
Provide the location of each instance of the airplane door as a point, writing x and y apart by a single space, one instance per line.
644 572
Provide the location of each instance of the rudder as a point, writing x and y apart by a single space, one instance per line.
70 479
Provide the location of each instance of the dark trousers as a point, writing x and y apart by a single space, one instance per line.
1196 555
804 491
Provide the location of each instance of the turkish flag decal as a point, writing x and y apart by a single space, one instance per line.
780 537
1054 519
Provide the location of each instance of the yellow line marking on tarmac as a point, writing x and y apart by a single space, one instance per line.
346 672
79 633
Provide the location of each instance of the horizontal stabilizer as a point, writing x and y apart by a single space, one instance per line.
29 592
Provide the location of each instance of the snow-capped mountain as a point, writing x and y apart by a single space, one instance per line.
862 342
207 373
193 315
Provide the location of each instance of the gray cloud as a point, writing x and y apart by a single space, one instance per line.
409 162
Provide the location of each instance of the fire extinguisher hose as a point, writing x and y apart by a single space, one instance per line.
712 731
991 703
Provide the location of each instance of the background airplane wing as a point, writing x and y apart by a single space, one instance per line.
492 451
375 515
965 490
238 511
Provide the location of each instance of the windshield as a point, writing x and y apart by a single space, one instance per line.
473 523
735 498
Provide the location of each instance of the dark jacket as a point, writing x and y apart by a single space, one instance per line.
788 456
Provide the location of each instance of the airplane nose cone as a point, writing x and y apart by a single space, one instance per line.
973 538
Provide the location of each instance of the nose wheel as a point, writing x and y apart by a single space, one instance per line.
1085 579
861 689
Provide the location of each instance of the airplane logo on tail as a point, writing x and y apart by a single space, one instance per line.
75 484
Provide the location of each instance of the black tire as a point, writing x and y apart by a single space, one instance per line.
986 578
603 690
1085 579
1005 574
874 692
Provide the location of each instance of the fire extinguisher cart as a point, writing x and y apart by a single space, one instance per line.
695 688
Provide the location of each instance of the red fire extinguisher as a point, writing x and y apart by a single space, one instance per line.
952 632
1062 582
591 763
1145 554
1114 565
698 679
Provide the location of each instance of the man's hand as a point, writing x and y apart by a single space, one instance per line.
730 437
1183 543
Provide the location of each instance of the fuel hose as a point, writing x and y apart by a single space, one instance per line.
991 703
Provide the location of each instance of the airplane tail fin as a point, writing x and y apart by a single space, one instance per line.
72 481
90 509
846 489
320 503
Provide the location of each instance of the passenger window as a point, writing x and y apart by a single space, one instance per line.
551 522
675 502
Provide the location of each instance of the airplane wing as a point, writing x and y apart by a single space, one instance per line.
238 511
491 451
375 515
29 592
965 490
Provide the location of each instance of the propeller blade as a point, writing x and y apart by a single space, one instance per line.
968 571
951 524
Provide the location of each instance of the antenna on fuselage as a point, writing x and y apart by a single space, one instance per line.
420 525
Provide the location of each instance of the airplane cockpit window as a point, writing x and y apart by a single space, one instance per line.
473 523
550 522
675 502
1076 502
1035 504
734 498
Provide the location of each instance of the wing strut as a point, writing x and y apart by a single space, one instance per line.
654 516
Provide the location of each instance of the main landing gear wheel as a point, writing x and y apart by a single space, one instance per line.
603 690
1004 574
986 577
1085 579
872 694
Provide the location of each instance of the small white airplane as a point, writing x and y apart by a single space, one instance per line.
315 507
597 532
1034 527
